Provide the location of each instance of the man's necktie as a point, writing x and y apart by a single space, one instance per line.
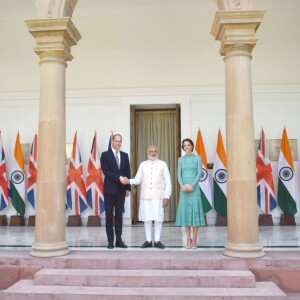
117 159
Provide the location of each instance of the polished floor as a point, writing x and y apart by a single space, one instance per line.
209 238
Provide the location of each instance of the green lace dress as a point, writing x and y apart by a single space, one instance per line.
190 210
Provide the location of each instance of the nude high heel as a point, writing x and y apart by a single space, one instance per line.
188 244
194 245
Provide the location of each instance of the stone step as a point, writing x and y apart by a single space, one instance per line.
152 259
145 278
25 289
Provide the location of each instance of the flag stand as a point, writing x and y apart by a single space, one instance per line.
74 221
221 221
94 221
31 221
287 220
265 220
205 219
17 221
3 220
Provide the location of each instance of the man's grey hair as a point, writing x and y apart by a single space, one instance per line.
152 146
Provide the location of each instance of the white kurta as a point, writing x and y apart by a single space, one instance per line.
155 180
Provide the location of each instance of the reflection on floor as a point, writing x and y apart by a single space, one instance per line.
214 238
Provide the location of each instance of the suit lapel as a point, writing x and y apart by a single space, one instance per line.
112 157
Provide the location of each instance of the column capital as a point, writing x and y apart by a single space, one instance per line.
235 29
54 37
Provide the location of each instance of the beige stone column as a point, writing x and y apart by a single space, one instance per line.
235 29
54 38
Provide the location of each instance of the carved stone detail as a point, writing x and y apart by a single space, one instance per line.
55 8
234 4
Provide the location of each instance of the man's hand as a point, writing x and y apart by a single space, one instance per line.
165 202
127 193
124 180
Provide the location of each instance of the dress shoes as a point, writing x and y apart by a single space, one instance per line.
146 244
110 245
159 245
121 244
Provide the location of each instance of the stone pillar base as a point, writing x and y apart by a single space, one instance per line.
3 220
244 250
221 221
31 221
265 220
94 221
287 220
17 221
74 221
49 250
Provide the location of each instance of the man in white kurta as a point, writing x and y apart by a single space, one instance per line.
154 177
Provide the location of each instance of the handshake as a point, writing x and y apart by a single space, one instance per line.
124 180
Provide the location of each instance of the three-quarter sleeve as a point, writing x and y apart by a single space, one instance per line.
199 170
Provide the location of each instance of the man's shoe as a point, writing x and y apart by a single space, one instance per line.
121 244
110 245
146 244
159 245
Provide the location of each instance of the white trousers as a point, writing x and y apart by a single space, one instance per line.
157 230
151 210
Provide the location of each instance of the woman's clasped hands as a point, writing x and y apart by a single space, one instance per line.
186 188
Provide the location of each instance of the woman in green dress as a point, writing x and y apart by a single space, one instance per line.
190 210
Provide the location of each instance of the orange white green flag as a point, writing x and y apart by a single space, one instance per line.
220 178
17 179
204 183
286 178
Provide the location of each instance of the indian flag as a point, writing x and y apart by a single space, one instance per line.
286 178
204 183
220 178
17 179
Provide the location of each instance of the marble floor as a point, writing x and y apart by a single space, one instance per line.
209 238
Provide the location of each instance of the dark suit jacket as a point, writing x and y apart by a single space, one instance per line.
112 173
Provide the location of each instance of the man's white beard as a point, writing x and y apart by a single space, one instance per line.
153 157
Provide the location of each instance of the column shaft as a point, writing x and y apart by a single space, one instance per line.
54 39
51 182
241 175
235 30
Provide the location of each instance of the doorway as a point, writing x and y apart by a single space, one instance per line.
160 126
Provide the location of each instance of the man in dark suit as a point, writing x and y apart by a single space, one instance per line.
115 166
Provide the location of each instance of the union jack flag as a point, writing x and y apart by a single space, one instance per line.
32 173
3 179
110 140
265 185
94 181
76 193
